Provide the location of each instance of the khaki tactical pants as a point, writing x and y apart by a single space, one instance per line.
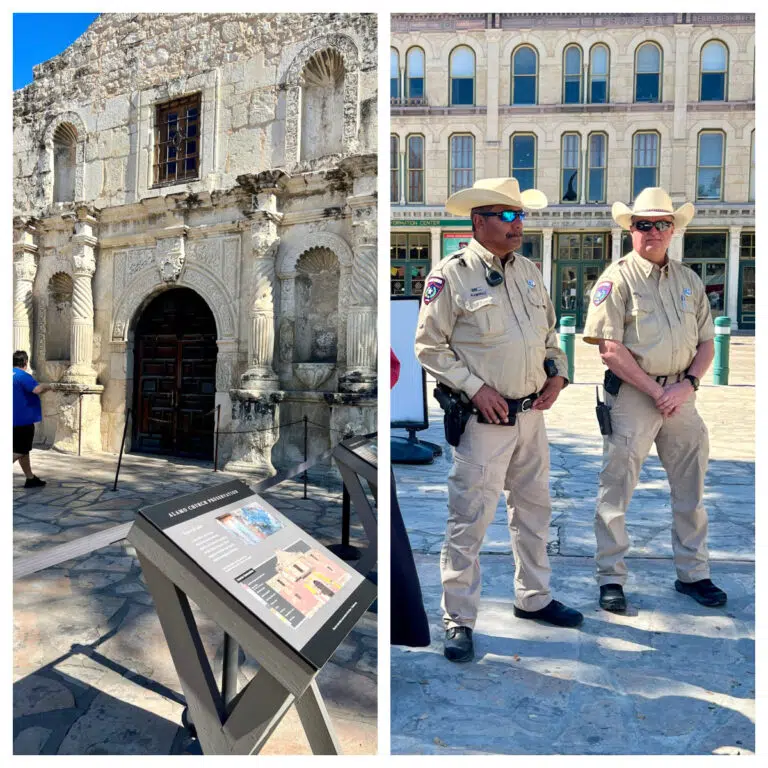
492 458
682 442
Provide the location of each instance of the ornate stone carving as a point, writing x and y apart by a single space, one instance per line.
25 268
287 260
169 258
366 287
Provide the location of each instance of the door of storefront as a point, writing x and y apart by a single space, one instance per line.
705 253
746 313
175 376
712 274
409 262
573 284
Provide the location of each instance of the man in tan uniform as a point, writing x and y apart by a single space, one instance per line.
486 328
651 317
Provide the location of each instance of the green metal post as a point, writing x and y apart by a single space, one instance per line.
567 340
722 350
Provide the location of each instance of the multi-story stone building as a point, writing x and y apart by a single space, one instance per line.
194 198
589 108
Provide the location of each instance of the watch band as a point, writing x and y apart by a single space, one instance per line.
694 381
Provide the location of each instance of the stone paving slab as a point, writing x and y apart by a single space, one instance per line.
92 673
669 677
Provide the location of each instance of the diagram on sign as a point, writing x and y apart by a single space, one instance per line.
250 523
295 582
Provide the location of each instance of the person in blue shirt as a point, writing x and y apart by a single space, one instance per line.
26 411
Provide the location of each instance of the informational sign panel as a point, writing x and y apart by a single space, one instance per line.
288 580
408 396
453 241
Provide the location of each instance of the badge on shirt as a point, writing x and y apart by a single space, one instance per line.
531 283
686 293
434 287
602 291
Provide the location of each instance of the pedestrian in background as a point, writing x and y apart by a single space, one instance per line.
27 412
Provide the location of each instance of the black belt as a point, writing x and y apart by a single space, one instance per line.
523 404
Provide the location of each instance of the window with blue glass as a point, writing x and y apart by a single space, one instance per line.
462 167
462 76
572 75
415 168
523 156
570 152
709 167
598 74
414 73
394 74
596 160
394 169
714 72
525 66
645 161
648 73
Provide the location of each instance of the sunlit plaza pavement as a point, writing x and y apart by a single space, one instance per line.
669 677
92 672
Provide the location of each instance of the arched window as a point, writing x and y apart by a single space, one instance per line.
571 155
394 169
598 74
709 165
462 165
525 68
597 161
648 73
645 161
394 74
522 155
415 144
414 73
714 72
572 75
462 76
64 163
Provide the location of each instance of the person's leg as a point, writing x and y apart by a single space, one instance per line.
22 444
529 511
26 466
635 421
474 485
683 446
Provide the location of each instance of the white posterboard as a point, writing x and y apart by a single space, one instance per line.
408 397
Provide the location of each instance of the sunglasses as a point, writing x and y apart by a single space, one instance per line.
646 226
504 215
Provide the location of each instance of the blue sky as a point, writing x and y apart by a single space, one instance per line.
38 37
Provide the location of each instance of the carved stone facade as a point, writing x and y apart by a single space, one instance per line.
259 222
555 134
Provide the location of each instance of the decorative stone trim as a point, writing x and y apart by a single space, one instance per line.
46 158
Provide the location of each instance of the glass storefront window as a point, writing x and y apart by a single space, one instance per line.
409 262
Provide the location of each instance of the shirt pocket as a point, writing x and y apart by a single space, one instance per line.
690 321
486 315
644 315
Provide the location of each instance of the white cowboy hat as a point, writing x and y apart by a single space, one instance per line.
652 201
504 191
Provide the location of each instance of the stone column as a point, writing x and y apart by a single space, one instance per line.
261 375
24 271
83 268
493 39
678 167
675 250
546 257
732 300
435 247
360 375
616 235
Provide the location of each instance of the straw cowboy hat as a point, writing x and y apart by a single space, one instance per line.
504 191
652 201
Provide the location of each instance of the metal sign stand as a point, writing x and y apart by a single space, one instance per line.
243 724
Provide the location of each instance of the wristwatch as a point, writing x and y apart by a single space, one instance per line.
694 381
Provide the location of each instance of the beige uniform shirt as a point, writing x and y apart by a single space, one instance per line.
471 333
660 315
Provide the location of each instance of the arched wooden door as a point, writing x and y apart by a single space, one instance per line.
175 376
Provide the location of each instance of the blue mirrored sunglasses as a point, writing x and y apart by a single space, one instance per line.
504 215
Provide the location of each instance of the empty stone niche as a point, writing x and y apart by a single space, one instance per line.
64 163
58 317
322 105
317 307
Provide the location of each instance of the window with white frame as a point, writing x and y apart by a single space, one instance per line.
462 163
714 72
525 68
414 73
570 154
462 66
598 74
415 144
572 75
648 73
709 165
645 161
522 154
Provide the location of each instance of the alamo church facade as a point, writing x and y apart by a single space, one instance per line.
195 234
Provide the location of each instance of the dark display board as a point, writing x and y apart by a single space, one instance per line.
289 581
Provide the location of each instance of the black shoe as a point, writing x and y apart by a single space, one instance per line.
34 482
554 613
458 644
612 598
703 591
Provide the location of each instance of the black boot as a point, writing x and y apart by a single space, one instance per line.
554 613
703 591
612 598
458 644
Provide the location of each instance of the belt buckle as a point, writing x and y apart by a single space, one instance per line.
659 380
526 404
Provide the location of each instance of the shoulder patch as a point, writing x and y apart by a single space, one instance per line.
602 291
433 289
